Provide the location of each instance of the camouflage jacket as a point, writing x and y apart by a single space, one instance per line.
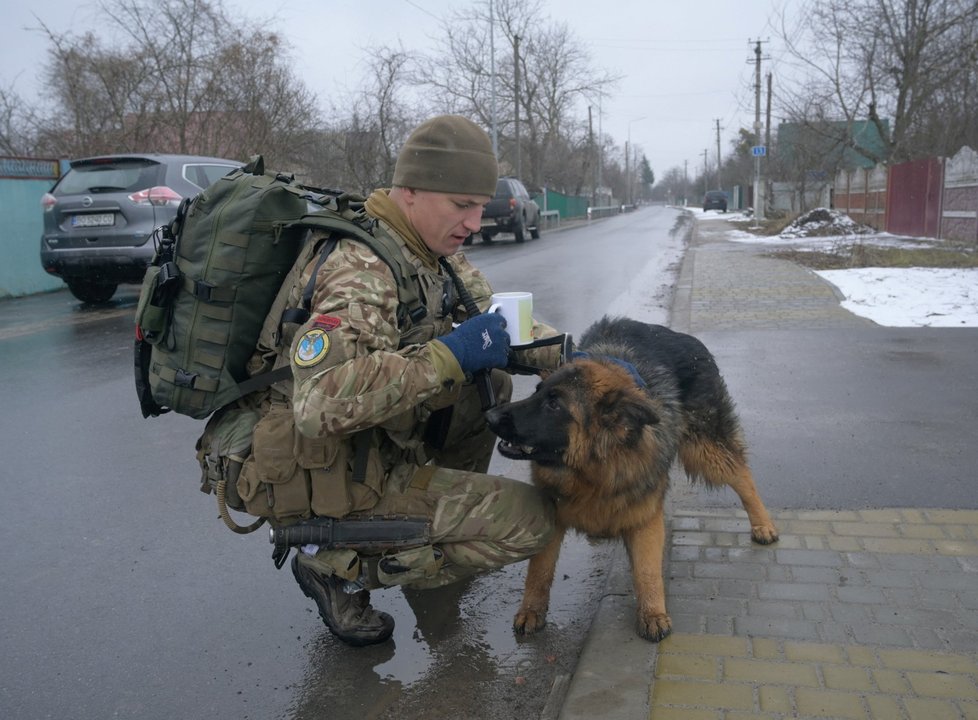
354 368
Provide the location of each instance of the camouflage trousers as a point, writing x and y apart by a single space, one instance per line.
479 522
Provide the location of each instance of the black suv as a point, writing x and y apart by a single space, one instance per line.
98 218
715 200
511 210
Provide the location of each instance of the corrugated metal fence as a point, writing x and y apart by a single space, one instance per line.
913 198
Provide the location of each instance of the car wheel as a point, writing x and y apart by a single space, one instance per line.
91 292
518 232
487 238
535 230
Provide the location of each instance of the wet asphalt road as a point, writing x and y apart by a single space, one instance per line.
855 418
125 596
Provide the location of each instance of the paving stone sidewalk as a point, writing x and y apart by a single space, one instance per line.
859 614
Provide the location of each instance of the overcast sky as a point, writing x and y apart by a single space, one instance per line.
684 65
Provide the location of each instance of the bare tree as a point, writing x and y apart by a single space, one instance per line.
738 168
672 187
179 76
542 74
926 49
893 62
380 121
18 122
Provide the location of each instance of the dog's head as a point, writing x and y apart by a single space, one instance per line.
578 415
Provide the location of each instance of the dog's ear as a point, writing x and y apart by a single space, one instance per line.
626 413
638 413
622 417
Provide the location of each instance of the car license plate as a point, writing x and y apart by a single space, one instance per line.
93 220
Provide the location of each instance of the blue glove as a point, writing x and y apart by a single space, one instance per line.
479 343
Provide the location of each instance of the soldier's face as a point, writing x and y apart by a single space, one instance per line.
444 220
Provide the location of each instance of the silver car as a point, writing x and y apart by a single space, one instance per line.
99 217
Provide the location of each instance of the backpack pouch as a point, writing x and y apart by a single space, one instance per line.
151 319
334 492
271 483
223 448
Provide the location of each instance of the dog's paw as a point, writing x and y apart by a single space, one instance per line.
764 534
529 621
654 627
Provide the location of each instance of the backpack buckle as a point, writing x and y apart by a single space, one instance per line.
202 290
182 378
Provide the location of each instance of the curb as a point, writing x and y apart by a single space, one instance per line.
616 665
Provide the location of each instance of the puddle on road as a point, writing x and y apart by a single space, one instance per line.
457 637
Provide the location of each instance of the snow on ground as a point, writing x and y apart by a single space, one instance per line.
893 297
909 297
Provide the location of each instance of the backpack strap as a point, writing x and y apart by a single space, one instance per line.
410 304
363 230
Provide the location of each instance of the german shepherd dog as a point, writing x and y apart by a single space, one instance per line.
602 432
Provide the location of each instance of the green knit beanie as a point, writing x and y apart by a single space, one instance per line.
450 154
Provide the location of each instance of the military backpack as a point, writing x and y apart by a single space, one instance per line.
216 272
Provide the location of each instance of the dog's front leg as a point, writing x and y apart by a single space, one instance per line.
646 545
532 614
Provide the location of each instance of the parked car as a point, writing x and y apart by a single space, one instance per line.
715 200
511 210
100 215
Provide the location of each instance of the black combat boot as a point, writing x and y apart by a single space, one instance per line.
349 616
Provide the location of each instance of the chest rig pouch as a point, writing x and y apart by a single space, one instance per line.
289 476
272 471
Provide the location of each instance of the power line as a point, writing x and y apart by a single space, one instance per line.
426 12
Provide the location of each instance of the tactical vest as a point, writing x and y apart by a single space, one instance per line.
285 475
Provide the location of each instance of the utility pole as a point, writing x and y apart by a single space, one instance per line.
719 163
706 173
600 145
685 180
492 75
758 181
628 173
516 65
767 126
628 177
591 154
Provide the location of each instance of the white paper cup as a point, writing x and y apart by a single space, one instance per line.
517 308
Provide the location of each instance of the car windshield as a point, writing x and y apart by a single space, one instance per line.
126 176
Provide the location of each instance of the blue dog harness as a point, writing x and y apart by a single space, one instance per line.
580 355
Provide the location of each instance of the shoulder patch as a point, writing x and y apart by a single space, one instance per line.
326 322
312 348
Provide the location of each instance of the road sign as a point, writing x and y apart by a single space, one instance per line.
758 151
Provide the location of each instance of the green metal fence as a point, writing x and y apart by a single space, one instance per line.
22 183
569 206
